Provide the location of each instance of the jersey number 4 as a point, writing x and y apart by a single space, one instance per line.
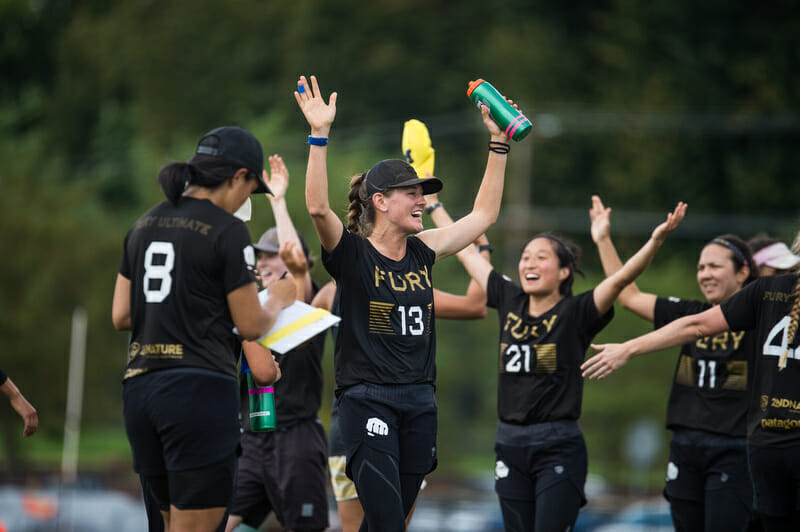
779 332
159 260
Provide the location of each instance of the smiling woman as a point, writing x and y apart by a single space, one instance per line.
544 334
385 348
708 481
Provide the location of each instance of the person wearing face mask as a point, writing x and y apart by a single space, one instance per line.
708 483
185 281
541 458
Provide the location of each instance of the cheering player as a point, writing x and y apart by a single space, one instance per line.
708 483
545 330
384 355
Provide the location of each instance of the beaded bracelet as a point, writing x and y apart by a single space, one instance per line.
429 209
318 141
499 147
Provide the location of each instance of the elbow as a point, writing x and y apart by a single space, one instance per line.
479 313
317 210
251 331
120 322
265 377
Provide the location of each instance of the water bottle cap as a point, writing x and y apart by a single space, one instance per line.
473 85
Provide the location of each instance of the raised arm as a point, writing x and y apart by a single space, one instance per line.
610 288
449 240
681 331
291 250
640 303
319 116
472 305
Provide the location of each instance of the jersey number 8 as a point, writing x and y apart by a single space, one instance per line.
160 271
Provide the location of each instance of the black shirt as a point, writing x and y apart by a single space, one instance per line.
387 333
774 415
539 358
712 378
182 262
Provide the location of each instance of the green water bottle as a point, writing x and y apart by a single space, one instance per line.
516 125
262 405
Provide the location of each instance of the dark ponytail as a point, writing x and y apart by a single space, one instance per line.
201 170
174 178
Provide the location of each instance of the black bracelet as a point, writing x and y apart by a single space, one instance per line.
486 247
499 147
430 208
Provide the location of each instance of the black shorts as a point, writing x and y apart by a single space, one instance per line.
181 419
284 471
396 419
776 479
532 458
701 461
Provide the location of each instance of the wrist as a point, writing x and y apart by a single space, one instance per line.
430 208
320 131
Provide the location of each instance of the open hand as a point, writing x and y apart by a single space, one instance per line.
293 257
673 220
601 220
319 114
278 182
610 358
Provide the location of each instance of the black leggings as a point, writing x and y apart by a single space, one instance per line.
554 510
385 494
723 511
785 523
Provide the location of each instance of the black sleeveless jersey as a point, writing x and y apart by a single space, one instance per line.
773 418
712 378
387 333
539 358
182 262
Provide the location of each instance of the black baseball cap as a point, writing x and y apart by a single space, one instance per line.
396 173
236 145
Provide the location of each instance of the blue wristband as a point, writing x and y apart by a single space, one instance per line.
318 141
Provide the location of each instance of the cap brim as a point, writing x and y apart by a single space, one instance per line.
262 187
430 185
783 263
265 249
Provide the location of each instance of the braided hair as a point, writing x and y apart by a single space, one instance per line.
794 314
361 212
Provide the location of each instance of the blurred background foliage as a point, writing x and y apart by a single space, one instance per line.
644 103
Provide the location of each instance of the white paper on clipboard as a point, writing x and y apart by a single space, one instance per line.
295 324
